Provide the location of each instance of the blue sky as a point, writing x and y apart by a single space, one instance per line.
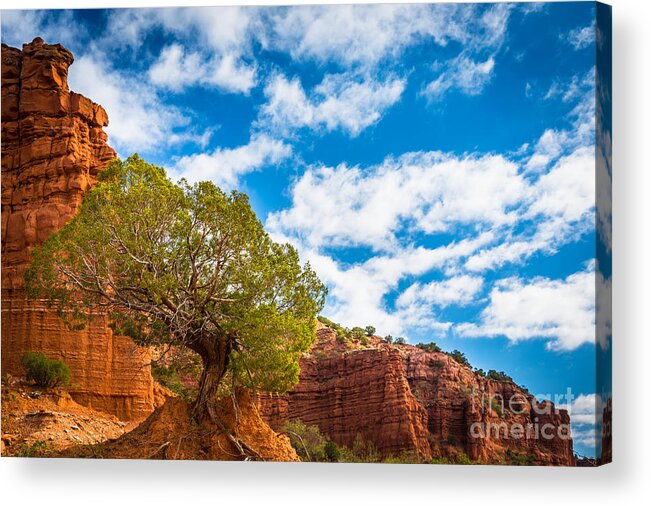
435 164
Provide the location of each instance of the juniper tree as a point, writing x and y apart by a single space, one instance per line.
183 265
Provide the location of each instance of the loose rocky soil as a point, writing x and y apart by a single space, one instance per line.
38 422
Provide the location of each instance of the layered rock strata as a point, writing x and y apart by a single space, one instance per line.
407 400
53 147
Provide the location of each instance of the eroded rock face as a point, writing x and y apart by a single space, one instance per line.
404 399
53 147
351 392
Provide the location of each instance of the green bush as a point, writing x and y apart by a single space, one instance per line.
332 452
45 372
168 376
361 452
309 443
327 321
451 439
357 333
36 449
463 459
370 330
440 460
459 357
428 347
518 459
400 340
497 406
498 376
389 339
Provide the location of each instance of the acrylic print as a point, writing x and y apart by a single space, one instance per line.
344 233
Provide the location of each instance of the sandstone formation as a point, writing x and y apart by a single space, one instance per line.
404 399
53 147
346 393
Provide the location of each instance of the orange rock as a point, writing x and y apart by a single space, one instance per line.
404 399
53 147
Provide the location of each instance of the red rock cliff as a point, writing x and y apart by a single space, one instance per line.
404 399
53 147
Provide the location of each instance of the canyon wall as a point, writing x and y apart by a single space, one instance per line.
404 399
53 147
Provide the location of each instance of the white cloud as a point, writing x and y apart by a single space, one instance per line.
212 46
567 191
361 34
224 166
559 310
586 413
463 73
357 293
581 37
422 192
459 290
22 26
351 103
138 119
584 409
175 69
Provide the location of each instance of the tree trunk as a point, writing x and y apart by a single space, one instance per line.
214 355
215 361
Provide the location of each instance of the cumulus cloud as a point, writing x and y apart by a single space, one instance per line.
459 290
559 310
212 46
138 119
176 69
422 192
22 26
357 292
363 34
224 166
351 103
586 413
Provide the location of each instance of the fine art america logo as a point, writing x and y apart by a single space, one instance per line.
530 419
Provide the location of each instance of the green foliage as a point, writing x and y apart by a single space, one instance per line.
459 357
357 333
364 340
498 376
441 460
497 406
168 376
433 347
451 440
389 339
45 372
309 443
370 330
406 457
400 340
518 459
462 459
181 264
361 452
38 448
327 322
332 452
480 372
